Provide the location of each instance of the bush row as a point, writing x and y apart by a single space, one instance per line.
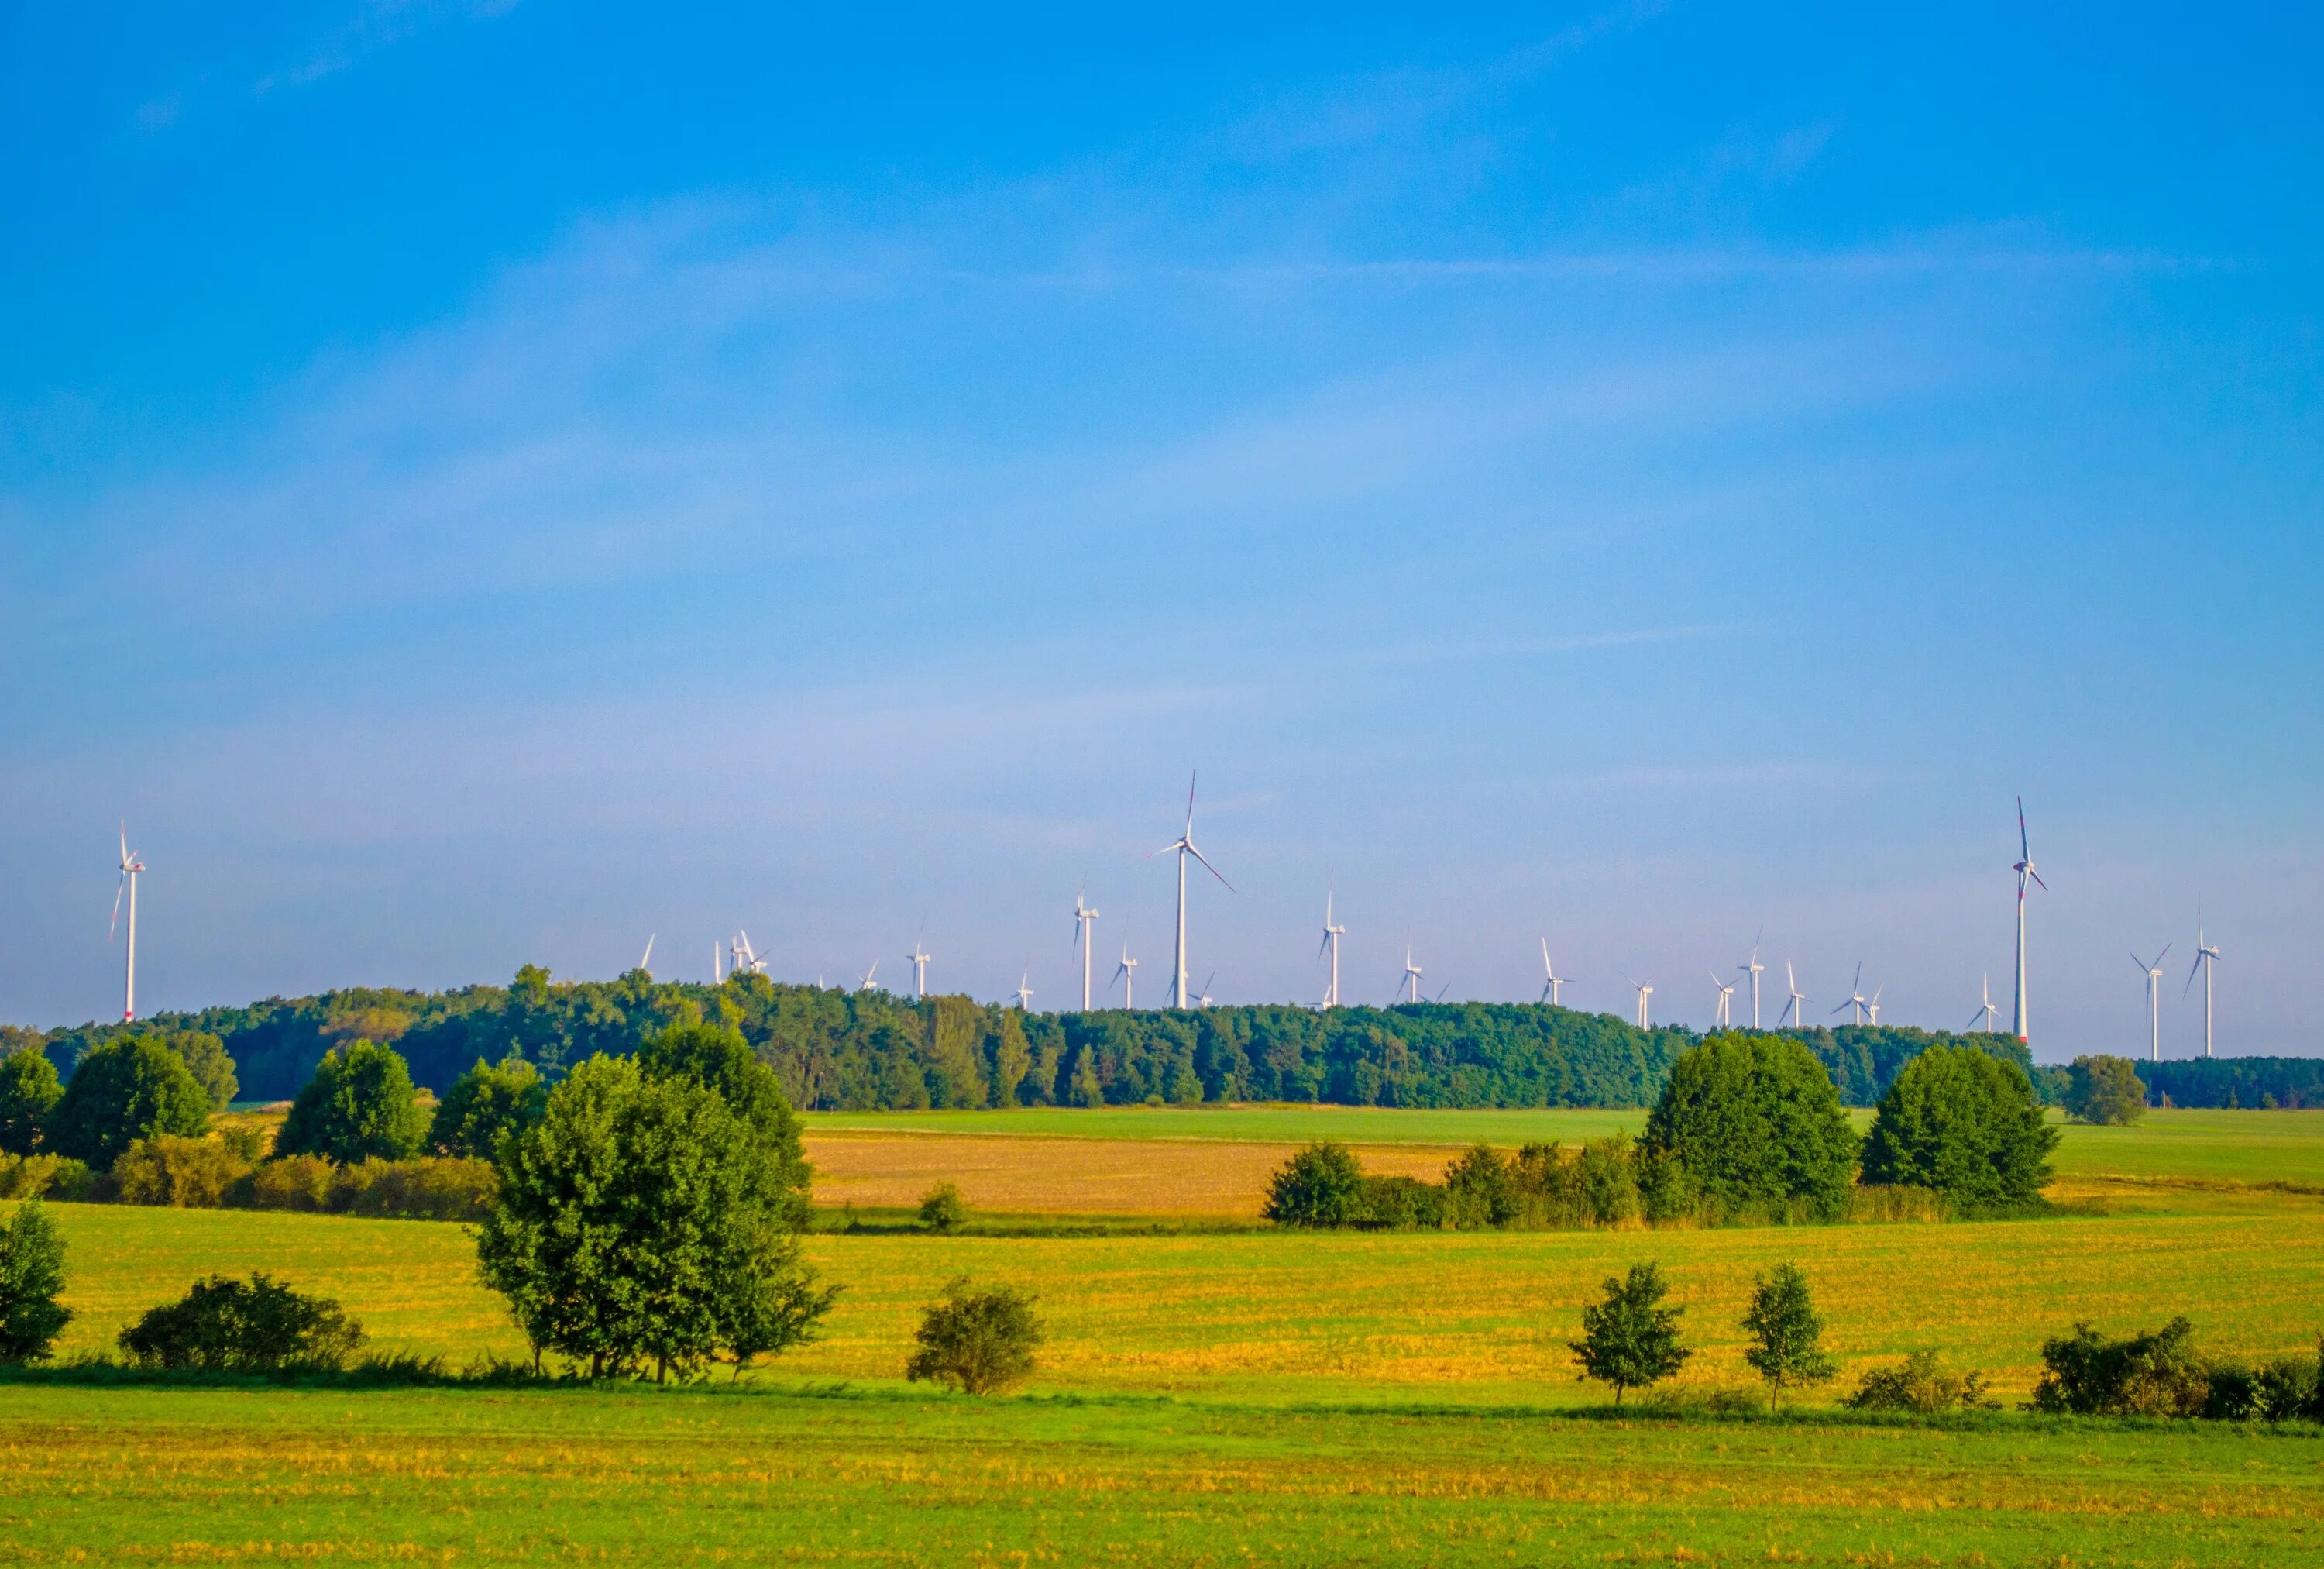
208 1173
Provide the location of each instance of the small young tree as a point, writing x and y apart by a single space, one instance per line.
125 1091
1786 1333
943 1210
31 1276
28 1092
485 1102
1321 1186
359 1106
1629 1339
2105 1090
977 1341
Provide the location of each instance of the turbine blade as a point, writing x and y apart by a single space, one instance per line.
1213 871
2038 878
2025 851
115 923
1174 844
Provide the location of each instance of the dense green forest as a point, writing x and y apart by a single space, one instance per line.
862 1051
2287 1082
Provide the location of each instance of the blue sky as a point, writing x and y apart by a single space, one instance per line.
482 484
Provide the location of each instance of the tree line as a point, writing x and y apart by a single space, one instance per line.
1747 1129
834 1050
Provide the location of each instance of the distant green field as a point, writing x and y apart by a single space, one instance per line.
636 1477
2228 1145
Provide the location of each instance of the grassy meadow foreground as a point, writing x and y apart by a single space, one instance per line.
1213 1391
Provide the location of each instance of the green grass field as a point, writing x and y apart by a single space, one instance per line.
1210 1397
468 1478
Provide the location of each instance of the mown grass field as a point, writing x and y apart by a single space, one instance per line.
468 1478
1226 1395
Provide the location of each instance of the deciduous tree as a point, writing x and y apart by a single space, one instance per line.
121 1091
485 1102
1966 1124
977 1341
1756 1122
360 1106
32 1279
1628 1338
1786 1333
28 1092
2105 1090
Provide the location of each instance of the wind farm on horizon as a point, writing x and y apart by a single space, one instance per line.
738 955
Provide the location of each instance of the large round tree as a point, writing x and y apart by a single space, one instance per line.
1964 1123
719 1059
125 1091
360 1106
28 1094
1756 1125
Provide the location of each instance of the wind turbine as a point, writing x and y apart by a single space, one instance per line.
1185 846
863 982
1331 943
2205 955
2153 974
1854 996
130 867
1128 976
1203 998
1725 999
1083 915
1791 1009
1551 979
1024 991
1411 972
919 958
1645 988
1873 1007
2024 870
648 957
745 956
1753 968
717 959
1982 1019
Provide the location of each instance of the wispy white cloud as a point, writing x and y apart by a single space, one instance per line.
375 25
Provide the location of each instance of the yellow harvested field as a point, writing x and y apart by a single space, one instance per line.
1048 1175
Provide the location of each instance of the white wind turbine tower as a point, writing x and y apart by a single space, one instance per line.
2024 870
920 957
2153 974
1411 972
1982 1019
717 961
1331 943
1723 1009
1128 976
1854 996
1753 969
1024 991
1551 979
1083 915
1645 988
1185 846
2205 955
1791 1009
130 867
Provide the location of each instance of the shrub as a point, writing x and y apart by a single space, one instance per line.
1320 1185
977 1341
293 1182
1756 1124
1480 1190
1399 1203
32 1276
1606 1182
121 1091
1892 1205
1963 1123
485 1102
1786 1333
359 1105
45 1177
2287 1389
1628 1338
242 1326
430 1188
182 1173
29 1091
2104 1090
638 1222
2153 1374
943 1210
1917 1384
